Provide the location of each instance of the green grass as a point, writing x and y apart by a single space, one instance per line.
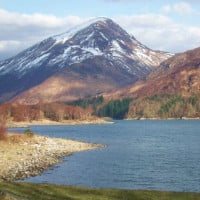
31 191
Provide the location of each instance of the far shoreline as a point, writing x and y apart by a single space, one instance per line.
161 119
46 122
99 121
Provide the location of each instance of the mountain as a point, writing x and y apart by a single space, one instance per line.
96 57
179 74
171 91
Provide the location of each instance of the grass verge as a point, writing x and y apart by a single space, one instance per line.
15 191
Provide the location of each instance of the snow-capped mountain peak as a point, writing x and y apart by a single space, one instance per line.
63 37
97 37
97 46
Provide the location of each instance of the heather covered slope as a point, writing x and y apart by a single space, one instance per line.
171 91
179 74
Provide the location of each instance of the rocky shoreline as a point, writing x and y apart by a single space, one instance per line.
46 122
23 156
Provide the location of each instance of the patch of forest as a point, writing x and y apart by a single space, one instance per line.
165 106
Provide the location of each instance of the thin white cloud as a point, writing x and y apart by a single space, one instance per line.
144 20
192 1
9 48
166 9
179 8
183 8
5 44
161 32
127 0
20 31
36 19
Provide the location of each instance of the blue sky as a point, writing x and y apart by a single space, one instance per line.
170 25
83 8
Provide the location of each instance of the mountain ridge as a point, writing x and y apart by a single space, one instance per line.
99 50
172 91
179 74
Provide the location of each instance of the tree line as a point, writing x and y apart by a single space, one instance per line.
51 111
157 106
116 109
88 101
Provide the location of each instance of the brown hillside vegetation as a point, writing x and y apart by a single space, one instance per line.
54 111
177 75
165 106
2 131
63 88
171 91
2 126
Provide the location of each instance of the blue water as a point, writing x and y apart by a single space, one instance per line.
158 155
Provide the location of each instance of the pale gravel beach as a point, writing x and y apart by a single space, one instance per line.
46 122
23 156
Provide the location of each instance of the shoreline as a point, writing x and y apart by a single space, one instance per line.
163 119
23 156
46 122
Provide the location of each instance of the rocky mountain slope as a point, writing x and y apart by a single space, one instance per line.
179 74
96 57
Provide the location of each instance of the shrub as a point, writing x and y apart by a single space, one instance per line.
29 133
2 131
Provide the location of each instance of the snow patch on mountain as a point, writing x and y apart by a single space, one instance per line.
62 38
116 47
35 62
98 37
93 51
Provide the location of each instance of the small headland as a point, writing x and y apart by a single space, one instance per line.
25 155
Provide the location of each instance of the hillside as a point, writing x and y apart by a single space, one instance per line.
179 74
171 91
96 57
